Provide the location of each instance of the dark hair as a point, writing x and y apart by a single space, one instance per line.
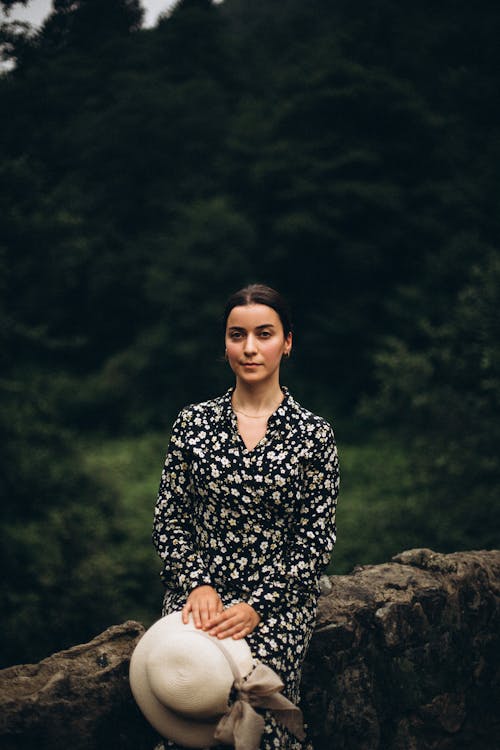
260 294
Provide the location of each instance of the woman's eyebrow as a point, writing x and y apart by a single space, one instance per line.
257 328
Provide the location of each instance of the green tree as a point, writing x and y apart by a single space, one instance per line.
349 159
58 524
447 387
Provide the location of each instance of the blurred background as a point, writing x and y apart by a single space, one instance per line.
345 153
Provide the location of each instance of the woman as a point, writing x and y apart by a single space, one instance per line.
245 518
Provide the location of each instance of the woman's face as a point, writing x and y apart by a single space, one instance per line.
255 342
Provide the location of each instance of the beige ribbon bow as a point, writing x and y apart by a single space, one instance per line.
242 726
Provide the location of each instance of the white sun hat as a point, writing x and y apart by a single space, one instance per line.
197 690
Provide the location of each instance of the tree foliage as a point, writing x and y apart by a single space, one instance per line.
348 158
447 384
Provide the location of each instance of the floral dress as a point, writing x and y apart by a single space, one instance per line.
258 525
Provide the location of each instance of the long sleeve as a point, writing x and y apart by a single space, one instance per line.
313 534
173 539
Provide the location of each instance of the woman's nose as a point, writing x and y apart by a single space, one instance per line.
250 344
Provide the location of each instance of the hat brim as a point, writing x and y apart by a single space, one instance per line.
188 732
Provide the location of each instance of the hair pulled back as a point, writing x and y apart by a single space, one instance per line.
260 294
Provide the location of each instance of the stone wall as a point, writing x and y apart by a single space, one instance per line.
405 657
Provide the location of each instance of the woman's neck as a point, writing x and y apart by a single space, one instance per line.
257 399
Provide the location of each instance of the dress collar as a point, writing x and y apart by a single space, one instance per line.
279 417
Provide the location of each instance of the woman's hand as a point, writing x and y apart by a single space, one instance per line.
204 603
237 621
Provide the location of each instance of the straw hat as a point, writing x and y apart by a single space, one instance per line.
181 679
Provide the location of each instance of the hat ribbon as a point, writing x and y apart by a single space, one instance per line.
242 726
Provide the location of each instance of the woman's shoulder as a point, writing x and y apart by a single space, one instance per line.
314 434
209 409
308 421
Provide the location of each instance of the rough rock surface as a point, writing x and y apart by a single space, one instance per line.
76 699
404 657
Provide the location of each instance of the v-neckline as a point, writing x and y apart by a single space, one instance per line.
246 449
233 419
239 436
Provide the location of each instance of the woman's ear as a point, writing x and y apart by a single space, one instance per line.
288 345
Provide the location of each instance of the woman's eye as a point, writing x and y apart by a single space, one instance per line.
235 335
265 334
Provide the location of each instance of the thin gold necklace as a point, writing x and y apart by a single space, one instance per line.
254 416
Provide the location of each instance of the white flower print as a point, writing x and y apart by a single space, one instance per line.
258 526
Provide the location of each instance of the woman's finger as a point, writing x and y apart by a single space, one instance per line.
232 629
218 618
242 633
203 612
231 626
224 622
212 611
240 616
202 601
195 609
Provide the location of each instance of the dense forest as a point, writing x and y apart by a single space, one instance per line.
346 153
